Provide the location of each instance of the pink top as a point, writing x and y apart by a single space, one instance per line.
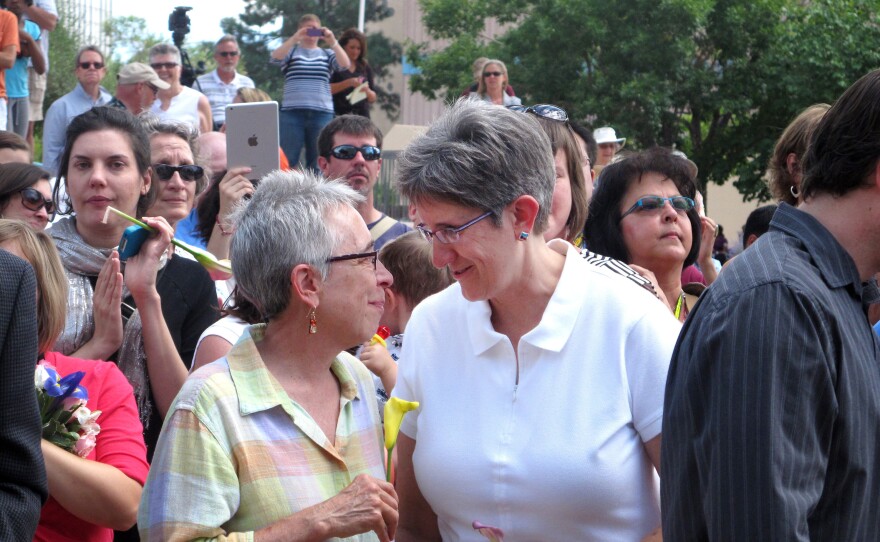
120 443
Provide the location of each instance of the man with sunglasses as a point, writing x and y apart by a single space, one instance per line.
221 84
772 410
88 93
136 88
349 148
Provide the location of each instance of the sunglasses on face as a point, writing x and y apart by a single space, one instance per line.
348 152
188 172
545 111
32 199
228 53
88 65
373 256
163 65
492 74
682 204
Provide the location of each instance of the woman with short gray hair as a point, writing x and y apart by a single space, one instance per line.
540 376
276 437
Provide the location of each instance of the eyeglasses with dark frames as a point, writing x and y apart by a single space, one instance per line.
682 204
87 65
227 53
449 235
373 256
545 111
163 65
31 199
348 152
188 172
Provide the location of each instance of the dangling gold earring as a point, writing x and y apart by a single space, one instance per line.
313 322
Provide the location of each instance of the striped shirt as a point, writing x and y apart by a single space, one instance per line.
238 454
221 94
772 410
307 79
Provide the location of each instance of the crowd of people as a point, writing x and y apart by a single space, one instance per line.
588 361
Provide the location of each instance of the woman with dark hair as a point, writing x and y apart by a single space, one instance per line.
643 213
25 194
166 302
354 43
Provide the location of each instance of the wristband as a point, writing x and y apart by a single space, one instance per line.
223 231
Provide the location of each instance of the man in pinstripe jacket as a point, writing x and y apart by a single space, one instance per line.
22 474
772 411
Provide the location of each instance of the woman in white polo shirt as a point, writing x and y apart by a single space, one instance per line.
540 376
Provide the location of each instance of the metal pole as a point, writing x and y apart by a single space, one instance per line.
361 15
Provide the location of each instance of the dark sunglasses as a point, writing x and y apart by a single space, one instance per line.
228 53
165 65
33 200
545 111
492 74
652 203
373 256
87 65
188 172
348 152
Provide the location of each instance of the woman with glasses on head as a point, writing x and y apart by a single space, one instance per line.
540 376
493 84
643 213
25 194
148 313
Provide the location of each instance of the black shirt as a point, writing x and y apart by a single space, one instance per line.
771 426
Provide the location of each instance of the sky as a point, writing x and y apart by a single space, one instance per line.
205 15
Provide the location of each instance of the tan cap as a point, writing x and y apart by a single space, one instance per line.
140 73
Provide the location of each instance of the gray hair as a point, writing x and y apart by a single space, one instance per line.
482 156
226 38
283 225
164 49
185 131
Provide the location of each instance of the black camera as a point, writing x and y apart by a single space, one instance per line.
178 24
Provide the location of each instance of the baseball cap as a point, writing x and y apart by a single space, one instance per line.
137 72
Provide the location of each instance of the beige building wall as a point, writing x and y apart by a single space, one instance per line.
724 204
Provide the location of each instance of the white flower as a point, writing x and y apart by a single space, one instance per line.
40 376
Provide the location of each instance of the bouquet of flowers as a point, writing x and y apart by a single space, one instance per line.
67 422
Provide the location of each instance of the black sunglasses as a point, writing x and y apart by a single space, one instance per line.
348 152
87 65
228 53
373 256
188 172
545 111
32 199
166 65
492 74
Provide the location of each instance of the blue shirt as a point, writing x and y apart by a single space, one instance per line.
59 115
17 75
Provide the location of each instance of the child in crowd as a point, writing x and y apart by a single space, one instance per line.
408 259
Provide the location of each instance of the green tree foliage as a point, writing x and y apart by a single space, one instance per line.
718 79
338 15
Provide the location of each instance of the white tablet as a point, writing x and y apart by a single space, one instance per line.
252 137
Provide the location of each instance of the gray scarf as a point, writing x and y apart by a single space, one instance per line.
82 261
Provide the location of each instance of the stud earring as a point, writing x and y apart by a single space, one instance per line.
523 235
313 322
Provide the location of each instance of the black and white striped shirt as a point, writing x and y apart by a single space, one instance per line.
771 425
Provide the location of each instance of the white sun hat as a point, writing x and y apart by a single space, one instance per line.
606 134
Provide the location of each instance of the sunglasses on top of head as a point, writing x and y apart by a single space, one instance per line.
348 152
545 111
32 199
189 172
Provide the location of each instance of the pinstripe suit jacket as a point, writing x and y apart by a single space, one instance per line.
22 473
